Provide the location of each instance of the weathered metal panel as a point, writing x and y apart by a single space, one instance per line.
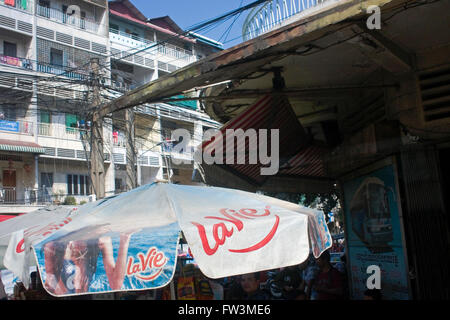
426 223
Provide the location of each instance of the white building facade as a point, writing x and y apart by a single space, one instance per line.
45 53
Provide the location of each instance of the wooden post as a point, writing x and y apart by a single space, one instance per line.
131 179
97 168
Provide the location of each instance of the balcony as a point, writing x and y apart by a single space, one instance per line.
16 62
170 50
60 16
275 13
151 48
128 39
24 5
17 126
60 131
61 70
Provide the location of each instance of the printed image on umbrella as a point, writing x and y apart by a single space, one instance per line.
83 261
129 242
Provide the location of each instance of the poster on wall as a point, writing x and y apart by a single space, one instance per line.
374 233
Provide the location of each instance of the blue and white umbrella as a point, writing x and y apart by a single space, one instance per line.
129 242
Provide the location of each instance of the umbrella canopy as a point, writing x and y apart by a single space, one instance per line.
35 220
129 242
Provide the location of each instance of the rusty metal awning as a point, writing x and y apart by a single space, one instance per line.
297 154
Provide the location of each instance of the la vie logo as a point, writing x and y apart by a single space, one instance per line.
230 221
149 266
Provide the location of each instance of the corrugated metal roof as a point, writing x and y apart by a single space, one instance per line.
297 156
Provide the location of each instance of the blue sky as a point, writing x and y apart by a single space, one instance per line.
191 12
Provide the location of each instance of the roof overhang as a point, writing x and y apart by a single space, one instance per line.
20 146
254 53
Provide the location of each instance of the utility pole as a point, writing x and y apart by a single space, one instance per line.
131 178
97 167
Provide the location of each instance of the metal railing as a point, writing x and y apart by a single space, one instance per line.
60 70
17 62
60 131
42 195
44 129
176 52
130 36
60 16
274 12
17 126
25 5
8 195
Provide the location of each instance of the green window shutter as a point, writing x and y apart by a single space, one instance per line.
71 120
45 117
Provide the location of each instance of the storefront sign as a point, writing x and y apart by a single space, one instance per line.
12 126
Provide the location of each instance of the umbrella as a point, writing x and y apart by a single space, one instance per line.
35 220
130 241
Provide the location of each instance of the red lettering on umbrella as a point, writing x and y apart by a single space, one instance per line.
154 259
20 246
263 242
220 232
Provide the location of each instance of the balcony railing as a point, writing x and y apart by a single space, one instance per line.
129 36
141 43
273 13
60 131
17 126
176 52
60 16
25 5
61 70
119 139
16 62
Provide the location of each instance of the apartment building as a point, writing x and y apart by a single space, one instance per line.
45 51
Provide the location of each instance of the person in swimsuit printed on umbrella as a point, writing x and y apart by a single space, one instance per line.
71 261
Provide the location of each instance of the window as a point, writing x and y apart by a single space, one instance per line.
46 180
56 57
9 49
118 184
82 185
75 184
71 122
45 117
9 112
69 184
78 185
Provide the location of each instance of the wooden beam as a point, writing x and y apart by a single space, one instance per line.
383 51
311 94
